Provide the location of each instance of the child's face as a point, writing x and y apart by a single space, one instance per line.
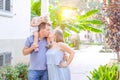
35 21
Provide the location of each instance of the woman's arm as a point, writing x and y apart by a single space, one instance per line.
67 49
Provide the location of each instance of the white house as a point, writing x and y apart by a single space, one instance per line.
14 29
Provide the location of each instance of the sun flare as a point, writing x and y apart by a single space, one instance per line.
67 13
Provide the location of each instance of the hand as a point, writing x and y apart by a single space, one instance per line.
34 46
63 64
65 57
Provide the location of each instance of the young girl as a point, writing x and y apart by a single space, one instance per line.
34 29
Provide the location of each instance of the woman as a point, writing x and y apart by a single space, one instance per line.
58 68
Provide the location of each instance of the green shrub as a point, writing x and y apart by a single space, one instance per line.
19 72
3 71
22 71
8 72
104 73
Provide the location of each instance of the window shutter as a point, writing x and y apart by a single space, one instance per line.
7 5
5 58
1 4
1 60
8 58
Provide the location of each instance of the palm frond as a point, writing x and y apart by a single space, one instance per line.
36 7
66 33
94 22
92 29
87 15
73 28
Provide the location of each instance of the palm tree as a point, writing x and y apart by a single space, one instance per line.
35 8
80 22
76 24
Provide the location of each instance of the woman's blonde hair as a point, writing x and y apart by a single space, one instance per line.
59 35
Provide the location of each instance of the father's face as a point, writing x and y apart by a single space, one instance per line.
47 31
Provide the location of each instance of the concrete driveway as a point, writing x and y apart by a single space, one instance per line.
86 59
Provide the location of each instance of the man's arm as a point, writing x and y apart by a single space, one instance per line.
29 50
28 47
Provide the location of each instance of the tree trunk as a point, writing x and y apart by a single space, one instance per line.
118 57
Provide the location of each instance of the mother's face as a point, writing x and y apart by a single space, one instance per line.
53 33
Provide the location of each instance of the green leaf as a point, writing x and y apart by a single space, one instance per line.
35 8
92 29
80 27
89 78
94 22
72 27
66 33
104 73
87 15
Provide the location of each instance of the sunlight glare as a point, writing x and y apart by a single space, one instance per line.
67 13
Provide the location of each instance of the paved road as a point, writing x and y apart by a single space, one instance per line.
86 60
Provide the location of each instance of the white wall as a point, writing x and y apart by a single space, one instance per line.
14 31
17 26
14 46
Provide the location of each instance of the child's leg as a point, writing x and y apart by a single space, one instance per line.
49 43
48 40
35 42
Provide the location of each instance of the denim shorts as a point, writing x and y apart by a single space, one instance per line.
37 75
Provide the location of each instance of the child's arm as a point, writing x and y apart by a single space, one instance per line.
35 42
35 37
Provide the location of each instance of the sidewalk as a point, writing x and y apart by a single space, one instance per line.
86 60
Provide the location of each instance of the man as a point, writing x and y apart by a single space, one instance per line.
37 68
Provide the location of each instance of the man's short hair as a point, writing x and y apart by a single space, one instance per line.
43 26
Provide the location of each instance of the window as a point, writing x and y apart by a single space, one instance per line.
5 58
8 58
1 4
6 7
